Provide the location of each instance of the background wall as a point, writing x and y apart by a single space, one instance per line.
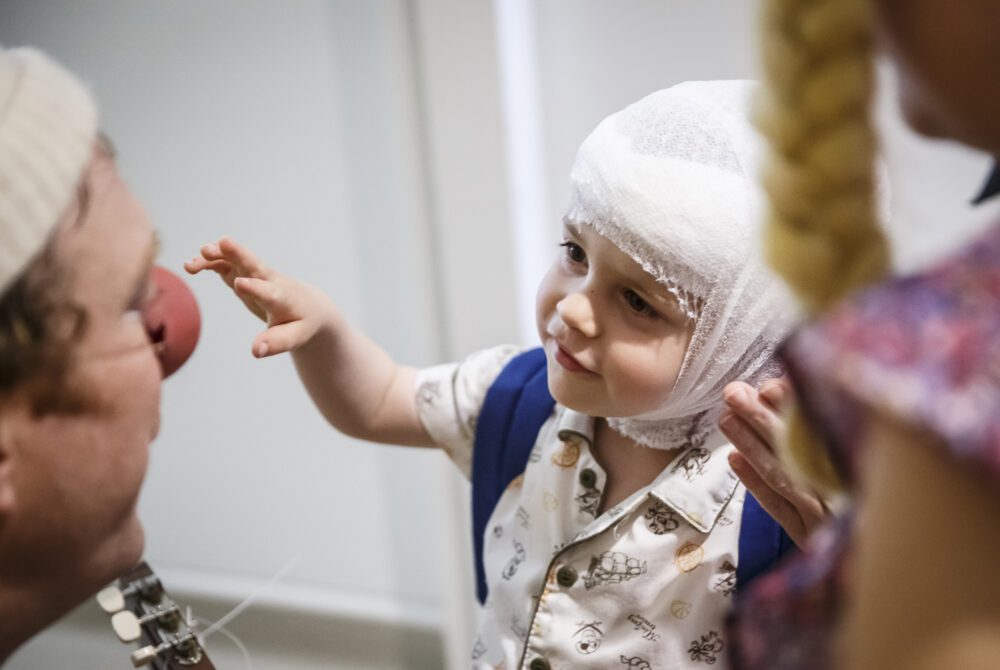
411 158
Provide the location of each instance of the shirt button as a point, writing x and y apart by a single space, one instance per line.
588 478
566 576
539 664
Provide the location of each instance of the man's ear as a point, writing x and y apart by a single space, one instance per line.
7 496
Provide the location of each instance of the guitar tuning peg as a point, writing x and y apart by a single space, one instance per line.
186 651
144 656
126 626
111 599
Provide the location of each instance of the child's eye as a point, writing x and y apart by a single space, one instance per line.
637 304
574 252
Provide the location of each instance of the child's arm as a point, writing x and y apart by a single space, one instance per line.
753 424
356 385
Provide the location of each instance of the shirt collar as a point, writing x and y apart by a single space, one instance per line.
991 187
575 423
697 484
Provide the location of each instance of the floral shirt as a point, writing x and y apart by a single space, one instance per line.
924 349
644 585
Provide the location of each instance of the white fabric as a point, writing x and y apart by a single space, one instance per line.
654 574
670 180
48 124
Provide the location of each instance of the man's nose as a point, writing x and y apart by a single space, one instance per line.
577 311
172 320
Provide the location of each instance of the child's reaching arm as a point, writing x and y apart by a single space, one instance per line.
356 385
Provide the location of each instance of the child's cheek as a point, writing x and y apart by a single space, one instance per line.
644 380
549 294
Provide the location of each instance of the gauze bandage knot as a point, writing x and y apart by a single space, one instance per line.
670 180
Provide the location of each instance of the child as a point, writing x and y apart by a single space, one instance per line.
619 543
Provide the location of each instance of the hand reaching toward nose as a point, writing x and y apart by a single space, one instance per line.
753 424
294 311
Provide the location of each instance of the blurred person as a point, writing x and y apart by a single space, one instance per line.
898 386
83 350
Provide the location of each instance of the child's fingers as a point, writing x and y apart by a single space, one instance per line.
199 263
223 269
211 251
259 295
279 339
243 259
745 402
266 293
194 266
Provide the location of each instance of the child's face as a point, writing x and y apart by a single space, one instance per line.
614 337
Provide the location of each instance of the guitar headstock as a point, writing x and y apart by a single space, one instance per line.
142 611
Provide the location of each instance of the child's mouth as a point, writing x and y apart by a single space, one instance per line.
566 360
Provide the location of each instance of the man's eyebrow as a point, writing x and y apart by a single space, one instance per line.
152 251
106 146
83 195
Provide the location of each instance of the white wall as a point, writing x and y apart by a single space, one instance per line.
298 128
596 56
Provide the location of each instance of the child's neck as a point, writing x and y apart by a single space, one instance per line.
628 466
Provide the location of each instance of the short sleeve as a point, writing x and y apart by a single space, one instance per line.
924 350
450 398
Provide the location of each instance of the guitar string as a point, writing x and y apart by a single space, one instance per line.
197 620
249 600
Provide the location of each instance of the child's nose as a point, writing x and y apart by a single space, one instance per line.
577 311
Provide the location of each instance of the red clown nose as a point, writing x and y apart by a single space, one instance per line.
172 320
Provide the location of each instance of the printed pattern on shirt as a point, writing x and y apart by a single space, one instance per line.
707 648
661 519
588 638
572 584
613 567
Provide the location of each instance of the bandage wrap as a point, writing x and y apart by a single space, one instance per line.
671 181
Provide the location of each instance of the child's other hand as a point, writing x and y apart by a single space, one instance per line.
753 424
293 311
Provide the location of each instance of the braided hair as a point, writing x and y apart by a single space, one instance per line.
822 234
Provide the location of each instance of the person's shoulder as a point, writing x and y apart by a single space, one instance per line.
923 349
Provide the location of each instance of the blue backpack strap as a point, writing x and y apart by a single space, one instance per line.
762 542
516 406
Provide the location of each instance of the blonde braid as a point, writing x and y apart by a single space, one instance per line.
822 233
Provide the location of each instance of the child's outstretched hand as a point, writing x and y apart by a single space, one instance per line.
293 311
753 424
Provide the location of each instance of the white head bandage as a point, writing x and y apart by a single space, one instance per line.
48 124
670 180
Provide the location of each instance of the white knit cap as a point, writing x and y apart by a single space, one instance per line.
48 125
670 180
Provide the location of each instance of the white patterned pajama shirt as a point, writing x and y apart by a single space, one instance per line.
646 585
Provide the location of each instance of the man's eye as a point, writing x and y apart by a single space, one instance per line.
574 252
637 304
143 296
